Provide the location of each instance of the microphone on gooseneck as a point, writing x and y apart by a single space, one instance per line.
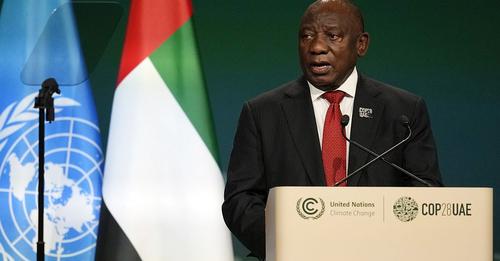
403 120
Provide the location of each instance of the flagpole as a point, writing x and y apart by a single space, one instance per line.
45 103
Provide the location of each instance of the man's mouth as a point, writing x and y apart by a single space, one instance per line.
320 67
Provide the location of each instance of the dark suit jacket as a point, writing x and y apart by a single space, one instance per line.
277 144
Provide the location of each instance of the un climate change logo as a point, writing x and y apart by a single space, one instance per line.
405 209
310 208
73 174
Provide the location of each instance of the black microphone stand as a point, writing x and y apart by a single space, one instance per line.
345 121
374 159
45 103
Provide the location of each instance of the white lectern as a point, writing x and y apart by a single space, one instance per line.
379 223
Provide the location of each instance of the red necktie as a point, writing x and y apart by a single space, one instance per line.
334 144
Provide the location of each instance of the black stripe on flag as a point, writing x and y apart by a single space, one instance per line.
112 243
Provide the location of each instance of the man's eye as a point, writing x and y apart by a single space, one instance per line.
307 36
333 36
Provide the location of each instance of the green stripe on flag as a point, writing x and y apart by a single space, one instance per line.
178 63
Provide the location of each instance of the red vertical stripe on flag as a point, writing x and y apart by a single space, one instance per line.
150 24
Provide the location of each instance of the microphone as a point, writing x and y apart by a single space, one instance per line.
403 120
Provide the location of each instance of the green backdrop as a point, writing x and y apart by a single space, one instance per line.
441 50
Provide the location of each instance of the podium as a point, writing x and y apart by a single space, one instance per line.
379 223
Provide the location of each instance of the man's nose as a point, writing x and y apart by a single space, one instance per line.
319 46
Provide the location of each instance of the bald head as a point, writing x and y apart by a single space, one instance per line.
344 6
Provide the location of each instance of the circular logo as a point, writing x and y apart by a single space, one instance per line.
405 209
72 195
310 208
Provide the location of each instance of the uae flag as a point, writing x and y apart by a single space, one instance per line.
162 184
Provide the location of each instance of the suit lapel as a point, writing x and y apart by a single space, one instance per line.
366 115
299 113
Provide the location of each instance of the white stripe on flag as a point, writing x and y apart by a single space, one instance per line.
161 183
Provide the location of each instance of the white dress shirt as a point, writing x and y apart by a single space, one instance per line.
320 106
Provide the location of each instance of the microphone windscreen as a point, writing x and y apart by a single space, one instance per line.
345 120
404 120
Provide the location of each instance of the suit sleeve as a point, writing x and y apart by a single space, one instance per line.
420 153
245 194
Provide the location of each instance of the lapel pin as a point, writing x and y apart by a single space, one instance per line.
365 113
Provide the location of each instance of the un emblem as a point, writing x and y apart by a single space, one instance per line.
73 174
310 208
405 209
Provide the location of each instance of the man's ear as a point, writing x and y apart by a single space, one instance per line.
363 43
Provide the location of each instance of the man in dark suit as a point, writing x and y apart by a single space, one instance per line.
284 136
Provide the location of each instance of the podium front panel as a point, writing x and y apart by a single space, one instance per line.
379 223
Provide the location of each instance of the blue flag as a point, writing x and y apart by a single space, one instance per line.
38 40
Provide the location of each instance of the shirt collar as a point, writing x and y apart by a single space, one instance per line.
349 86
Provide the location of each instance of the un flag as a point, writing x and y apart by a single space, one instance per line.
38 40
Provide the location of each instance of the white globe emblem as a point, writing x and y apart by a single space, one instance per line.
73 175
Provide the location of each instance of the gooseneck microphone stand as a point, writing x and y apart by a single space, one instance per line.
45 103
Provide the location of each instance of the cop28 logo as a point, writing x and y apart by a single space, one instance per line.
405 209
310 208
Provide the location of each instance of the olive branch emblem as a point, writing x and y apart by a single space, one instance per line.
306 211
18 114
4 254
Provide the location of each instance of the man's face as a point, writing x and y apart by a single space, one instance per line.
330 40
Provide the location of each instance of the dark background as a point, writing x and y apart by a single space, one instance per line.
444 51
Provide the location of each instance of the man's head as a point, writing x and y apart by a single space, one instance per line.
331 38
